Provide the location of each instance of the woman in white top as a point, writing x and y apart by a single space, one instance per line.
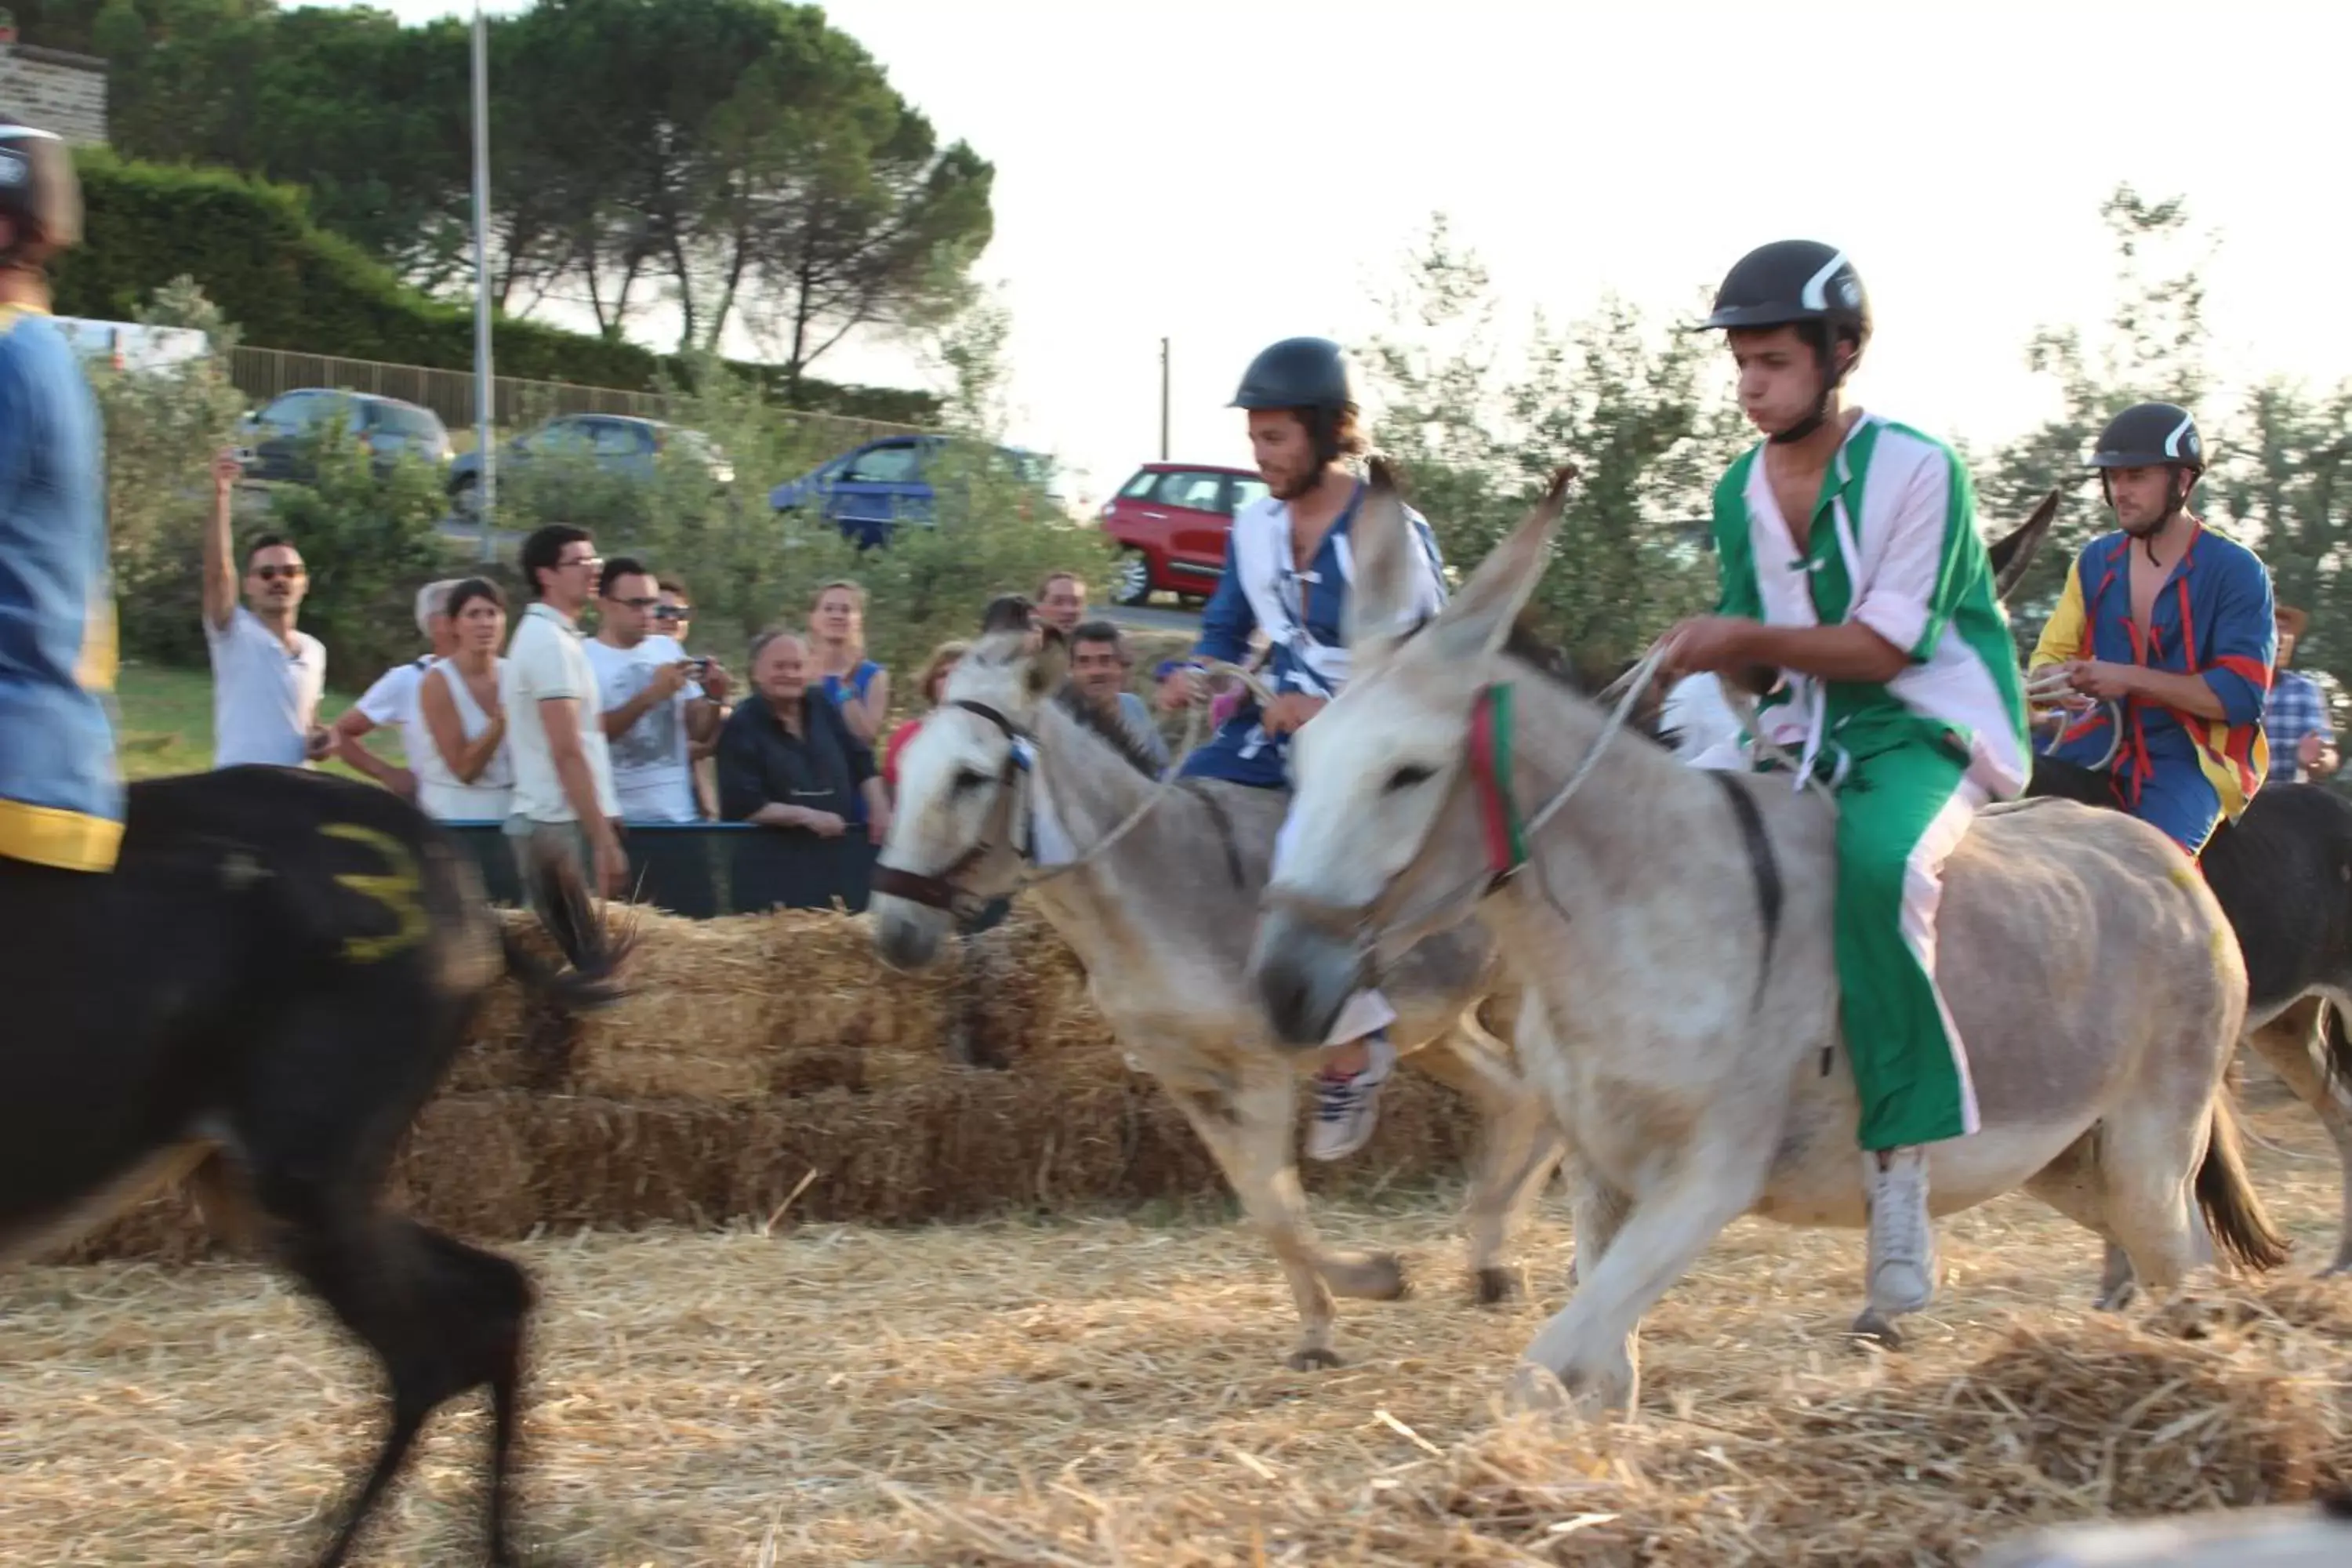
466 774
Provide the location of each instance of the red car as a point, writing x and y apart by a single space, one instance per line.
1171 519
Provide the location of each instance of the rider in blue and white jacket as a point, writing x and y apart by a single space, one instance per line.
1288 568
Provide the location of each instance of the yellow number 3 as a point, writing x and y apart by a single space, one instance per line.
396 890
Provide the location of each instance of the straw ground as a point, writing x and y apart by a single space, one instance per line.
1102 1391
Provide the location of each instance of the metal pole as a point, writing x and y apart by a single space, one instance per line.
485 388
1163 400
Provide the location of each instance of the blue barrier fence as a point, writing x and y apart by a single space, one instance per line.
704 869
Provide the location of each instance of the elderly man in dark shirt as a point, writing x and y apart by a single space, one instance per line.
787 760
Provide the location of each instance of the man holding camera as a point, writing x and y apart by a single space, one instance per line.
659 704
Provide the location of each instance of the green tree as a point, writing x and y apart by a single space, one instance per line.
2153 346
1479 433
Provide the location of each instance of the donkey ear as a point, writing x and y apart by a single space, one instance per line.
1479 619
1382 592
2011 555
1049 661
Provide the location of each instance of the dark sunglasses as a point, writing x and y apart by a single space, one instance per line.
672 613
636 603
271 573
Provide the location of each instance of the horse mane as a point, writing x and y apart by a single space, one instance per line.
1108 730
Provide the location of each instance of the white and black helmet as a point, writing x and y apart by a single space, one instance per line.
2151 435
1801 283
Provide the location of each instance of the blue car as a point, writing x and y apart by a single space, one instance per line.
870 490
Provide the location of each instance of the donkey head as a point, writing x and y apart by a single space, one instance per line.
1384 803
953 836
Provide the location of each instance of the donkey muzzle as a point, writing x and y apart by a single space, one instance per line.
1303 971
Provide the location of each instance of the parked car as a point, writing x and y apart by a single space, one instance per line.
1171 520
868 490
273 437
612 443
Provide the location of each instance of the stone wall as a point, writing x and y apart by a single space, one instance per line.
55 90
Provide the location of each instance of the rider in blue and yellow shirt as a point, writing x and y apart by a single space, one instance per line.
60 795
2164 636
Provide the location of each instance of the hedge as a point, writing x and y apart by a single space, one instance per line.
290 284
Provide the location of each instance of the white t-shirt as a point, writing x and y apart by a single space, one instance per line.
653 769
545 661
393 700
265 698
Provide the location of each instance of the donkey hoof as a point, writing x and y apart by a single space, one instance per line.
2116 1298
1376 1276
1313 1358
1496 1285
1534 1390
1875 1326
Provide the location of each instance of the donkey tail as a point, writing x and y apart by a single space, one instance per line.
2242 1227
593 952
2337 1048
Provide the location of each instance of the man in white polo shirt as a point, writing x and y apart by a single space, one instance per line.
658 702
267 676
392 700
564 797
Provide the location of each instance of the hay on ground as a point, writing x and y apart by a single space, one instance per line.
1106 1391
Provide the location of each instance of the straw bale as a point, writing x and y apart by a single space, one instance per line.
504 1163
749 1006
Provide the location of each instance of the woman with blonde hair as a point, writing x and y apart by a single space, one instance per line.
936 670
856 685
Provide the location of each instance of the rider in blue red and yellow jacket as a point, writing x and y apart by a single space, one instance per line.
2160 647
61 793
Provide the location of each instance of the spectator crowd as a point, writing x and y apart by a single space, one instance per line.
565 736
570 718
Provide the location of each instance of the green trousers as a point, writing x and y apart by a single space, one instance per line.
1901 812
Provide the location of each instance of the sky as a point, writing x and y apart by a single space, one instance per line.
1222 175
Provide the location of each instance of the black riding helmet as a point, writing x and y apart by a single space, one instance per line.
1801 283
1308 374
2151 435
38 192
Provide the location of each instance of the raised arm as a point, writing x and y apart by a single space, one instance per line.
219 589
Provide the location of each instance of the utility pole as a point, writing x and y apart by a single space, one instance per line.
485 386
1163 400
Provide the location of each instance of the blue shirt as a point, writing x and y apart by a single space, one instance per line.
1304 617
61 793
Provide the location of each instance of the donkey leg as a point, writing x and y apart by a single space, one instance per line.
2146 1164
329 1090
1662 1233
2070 1184
2294 1044
1248 1132
1519 1147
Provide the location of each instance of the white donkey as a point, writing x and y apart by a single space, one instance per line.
1156 890
1684 1021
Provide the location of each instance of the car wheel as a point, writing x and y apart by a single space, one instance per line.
1133 584
465 497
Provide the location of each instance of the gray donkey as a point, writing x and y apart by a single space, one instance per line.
1158 905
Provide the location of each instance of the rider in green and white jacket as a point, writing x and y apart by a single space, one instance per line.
1857 602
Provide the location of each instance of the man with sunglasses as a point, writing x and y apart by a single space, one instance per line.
564 803
658 702
267 675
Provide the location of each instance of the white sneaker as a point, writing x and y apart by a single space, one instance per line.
1347 1106
1902 1269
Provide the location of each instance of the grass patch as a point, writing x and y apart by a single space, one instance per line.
165 723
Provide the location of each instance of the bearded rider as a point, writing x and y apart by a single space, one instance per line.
61 793
1858 603
1288 567
2166 630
